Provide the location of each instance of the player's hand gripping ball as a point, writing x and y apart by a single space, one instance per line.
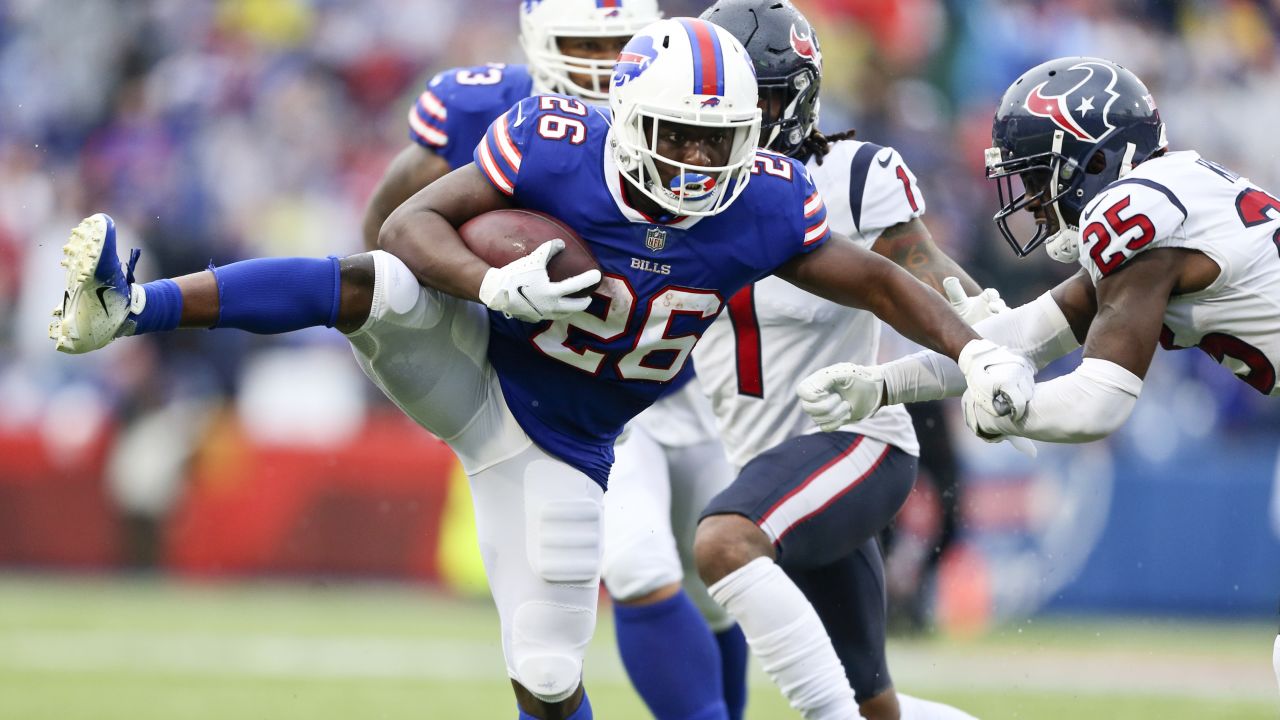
541 269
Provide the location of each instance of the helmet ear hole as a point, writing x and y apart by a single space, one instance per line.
1097 163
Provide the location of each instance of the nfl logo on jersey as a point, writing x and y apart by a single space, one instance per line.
655 239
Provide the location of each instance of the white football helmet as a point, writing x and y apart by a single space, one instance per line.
688 72
542 22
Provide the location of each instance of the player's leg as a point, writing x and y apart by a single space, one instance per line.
426 350
848 594
271 295
775 494
846 585
699 472
938 460
537 519
666 647
538 524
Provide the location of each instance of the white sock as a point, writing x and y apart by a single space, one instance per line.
786 635
914 708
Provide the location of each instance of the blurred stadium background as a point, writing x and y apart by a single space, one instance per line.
216 525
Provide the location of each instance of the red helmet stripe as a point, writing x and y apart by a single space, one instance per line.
707 59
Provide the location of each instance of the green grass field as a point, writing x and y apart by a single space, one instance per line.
144 650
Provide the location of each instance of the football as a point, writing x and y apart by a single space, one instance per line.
501 236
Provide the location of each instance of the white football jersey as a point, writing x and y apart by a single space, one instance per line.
680 419
1180 200
773 333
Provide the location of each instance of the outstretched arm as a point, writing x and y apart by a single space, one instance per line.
1044 330
1096 398
847 274
414 168
844 273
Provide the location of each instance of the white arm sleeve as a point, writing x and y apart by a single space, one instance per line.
1086 404
1037 329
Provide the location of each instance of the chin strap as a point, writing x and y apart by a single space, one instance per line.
1064 245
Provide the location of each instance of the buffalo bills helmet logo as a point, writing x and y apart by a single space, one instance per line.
1087 104
634 59
711 102
805 46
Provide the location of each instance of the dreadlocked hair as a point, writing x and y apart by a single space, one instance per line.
817 145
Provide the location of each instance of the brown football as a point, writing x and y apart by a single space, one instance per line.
501 236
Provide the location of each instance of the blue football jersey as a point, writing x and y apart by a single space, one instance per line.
574 383
455 109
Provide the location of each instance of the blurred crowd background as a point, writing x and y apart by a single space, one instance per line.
215 130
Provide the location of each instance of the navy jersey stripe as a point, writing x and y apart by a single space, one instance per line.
858 170
1154 186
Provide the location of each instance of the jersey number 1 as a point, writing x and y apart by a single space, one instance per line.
746 335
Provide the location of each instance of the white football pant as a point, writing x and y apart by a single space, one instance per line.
538 519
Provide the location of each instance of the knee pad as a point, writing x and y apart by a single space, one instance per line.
562 524
548 641
566 546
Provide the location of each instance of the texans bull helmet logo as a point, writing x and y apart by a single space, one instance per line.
1083 108
804 45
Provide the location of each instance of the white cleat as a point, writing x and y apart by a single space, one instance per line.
95 303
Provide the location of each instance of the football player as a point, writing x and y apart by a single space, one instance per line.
672 460
1175 251
790 547
570 46
528 384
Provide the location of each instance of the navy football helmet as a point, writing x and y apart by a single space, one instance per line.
788 64
1067 129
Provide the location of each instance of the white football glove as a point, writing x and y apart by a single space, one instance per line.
997 376
840 394
522 290
976 308
994 428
